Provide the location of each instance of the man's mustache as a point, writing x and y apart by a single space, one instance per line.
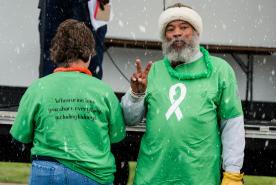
178 41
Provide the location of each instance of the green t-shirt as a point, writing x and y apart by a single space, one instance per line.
74 118
181 145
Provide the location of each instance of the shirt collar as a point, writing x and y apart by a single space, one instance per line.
194 58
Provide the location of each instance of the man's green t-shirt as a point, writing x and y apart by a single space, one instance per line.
73 118
181 145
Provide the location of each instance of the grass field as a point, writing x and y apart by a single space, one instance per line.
19 173
14 172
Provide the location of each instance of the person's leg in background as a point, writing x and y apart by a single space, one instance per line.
96 62
121 155
51 15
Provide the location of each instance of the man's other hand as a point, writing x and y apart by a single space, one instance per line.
232 179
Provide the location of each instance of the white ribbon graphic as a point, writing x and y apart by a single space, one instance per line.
174 108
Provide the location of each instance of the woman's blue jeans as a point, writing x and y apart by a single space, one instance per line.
54 173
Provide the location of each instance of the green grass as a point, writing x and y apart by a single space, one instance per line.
132 166
259 180
248 180
14 172
19 173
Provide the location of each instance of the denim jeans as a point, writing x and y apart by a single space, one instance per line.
54 173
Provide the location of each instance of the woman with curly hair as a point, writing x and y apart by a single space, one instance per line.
70 118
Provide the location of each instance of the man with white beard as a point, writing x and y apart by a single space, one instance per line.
194 118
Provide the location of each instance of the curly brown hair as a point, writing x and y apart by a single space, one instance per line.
73 41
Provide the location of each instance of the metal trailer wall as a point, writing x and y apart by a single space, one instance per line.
264 75
244 23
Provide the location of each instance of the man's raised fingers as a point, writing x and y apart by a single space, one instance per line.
134 77
138 65
148 68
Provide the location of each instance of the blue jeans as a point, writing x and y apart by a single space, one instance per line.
53 173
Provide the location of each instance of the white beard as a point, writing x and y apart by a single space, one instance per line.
185 54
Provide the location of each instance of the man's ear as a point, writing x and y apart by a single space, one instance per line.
194 30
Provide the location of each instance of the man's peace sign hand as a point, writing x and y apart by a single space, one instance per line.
138 81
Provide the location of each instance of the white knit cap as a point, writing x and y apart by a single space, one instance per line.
179 13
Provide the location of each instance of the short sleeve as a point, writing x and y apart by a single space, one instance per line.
23 127
116 121
230 103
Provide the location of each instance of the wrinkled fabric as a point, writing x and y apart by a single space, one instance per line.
182 142
46 172
74 120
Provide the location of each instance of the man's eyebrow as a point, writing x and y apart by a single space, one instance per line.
184 22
